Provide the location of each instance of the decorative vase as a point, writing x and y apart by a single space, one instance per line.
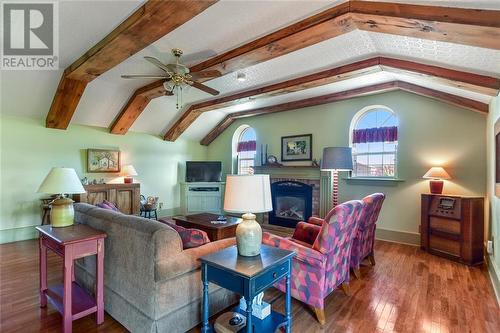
62 213
248 236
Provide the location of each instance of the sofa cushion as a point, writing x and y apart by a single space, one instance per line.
190 237
108 205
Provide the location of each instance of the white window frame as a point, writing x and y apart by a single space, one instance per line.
355 121
236 159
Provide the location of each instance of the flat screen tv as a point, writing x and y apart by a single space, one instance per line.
203 171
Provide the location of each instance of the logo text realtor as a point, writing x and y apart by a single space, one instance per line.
30 39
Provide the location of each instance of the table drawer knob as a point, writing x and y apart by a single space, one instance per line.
275 275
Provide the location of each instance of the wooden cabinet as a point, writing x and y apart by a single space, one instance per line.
126 197
453 227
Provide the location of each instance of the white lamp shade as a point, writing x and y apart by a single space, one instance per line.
128 170
337 158
61 181
437 173
248 194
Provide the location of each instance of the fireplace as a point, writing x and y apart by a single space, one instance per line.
292 202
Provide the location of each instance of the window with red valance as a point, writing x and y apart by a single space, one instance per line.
374 141
246 150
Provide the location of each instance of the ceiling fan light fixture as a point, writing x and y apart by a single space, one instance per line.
241 77
168 86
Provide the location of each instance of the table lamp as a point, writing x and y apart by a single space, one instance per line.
248 194
128 171
437 174
61 181
336 159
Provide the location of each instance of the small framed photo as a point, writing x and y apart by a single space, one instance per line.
296 148
103 160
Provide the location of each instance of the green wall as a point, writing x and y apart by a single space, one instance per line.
431 133
29 151
494 201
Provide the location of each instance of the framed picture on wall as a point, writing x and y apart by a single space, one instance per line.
296 148
497 158
103 160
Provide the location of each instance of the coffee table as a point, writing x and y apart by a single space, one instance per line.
203 221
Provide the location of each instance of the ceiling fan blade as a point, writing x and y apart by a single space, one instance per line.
206 74
140 76
157 63
203 88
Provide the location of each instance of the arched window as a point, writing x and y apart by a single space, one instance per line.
374 142
244 149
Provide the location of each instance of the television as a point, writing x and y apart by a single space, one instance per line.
203 171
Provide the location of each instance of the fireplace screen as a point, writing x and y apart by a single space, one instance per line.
290 207
292 202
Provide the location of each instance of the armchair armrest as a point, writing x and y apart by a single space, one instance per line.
316 220
187 260
304 254
306 232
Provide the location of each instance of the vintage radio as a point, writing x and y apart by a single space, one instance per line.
453 227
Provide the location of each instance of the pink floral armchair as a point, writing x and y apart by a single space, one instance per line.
323 250
362 246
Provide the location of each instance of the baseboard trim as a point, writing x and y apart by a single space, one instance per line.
18 234
396 236
494 277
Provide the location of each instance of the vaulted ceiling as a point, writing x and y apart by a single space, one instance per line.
466 61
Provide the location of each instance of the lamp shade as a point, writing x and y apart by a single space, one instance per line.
248 194
61 181
128 170
437 173
337 158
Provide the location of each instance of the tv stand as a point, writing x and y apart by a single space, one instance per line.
202 197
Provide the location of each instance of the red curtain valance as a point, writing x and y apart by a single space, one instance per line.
376 134
247 146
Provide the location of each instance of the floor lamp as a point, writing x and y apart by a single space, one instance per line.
336 159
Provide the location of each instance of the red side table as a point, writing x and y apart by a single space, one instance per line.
70 299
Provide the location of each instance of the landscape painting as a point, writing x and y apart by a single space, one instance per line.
103 160
296 148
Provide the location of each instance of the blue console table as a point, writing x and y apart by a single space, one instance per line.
248 276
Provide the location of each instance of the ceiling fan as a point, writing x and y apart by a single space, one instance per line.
178 76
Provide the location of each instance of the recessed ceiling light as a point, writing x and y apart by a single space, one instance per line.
241 77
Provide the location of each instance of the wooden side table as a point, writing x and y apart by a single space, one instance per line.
249 276
70 299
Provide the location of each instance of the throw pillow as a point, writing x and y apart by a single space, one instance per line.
112 205
107 205
190 237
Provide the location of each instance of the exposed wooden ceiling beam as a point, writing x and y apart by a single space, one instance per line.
147 24
462 102
469 26
480 17
339 96
481 36
138 102
458 25
309 31
475 82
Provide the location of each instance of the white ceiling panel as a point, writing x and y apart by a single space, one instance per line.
463 57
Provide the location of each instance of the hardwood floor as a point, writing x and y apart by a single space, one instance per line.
407 291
